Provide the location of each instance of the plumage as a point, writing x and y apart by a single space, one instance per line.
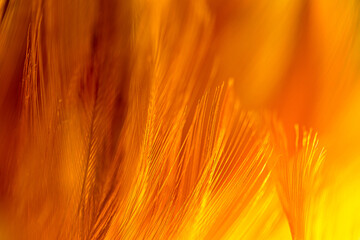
175 119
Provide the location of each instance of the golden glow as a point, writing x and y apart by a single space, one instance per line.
179 119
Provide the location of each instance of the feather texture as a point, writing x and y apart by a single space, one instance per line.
174 119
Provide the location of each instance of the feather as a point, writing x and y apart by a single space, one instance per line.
174 119
299 184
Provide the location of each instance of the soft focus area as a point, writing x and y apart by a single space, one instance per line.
180 119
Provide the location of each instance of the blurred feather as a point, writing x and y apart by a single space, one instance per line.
299 177
174 119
